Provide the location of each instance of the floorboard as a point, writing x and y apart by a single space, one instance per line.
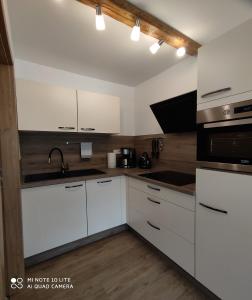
121 267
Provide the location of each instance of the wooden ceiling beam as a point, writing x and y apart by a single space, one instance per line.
125 12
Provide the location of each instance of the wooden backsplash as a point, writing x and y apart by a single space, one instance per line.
179 151
36 146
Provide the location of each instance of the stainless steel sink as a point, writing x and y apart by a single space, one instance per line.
58 175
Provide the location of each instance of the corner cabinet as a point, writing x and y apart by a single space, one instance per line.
98 113
223 233
225 67
53 216
44 107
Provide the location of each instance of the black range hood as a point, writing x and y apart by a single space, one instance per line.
177 114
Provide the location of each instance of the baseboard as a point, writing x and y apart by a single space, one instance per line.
44 256
192 279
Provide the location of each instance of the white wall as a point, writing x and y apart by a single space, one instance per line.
28 70
177 80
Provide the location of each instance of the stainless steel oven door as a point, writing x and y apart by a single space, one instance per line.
226 143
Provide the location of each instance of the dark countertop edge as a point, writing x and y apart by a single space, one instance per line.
133 173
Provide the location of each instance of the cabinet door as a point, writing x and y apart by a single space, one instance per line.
44 107
98 113
225 65
53 216
224 238
104 205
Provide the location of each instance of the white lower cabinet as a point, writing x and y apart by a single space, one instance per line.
104 204
53 216
224 233
168 226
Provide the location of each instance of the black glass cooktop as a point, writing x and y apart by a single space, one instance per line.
171 177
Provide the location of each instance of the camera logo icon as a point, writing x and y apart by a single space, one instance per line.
16 283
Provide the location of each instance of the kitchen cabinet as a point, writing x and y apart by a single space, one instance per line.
225 67
104 204
165 218
44 107
98 113
53 216
223 233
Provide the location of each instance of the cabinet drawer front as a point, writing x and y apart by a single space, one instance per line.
176 219
177 198
175 247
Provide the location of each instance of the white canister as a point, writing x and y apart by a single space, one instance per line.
111 160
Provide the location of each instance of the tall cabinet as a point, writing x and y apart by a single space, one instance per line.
223 233
225 68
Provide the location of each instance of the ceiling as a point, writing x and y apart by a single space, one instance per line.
61 34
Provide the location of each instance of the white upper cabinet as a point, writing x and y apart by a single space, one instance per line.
225 67
44 107
98 113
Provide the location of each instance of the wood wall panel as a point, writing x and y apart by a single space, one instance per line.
2 251
5 52
35 147
10 176
179 150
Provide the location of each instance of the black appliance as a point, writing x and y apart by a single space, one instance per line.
127 159
171 177
225 137
58 175
177 114
144 161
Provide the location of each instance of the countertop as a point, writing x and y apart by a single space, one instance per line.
134 173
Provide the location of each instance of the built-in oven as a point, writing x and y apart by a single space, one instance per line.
225 137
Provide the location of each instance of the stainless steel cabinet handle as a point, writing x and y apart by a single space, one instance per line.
216 92
154 201
73 186
153 226
213 208
153 188
87 129
104 181
66 128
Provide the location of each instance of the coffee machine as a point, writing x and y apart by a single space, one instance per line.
127 159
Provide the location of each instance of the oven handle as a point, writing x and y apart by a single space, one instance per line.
228 123
227 89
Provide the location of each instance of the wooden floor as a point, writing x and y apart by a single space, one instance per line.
121 267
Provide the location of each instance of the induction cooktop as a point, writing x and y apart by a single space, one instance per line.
171 177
